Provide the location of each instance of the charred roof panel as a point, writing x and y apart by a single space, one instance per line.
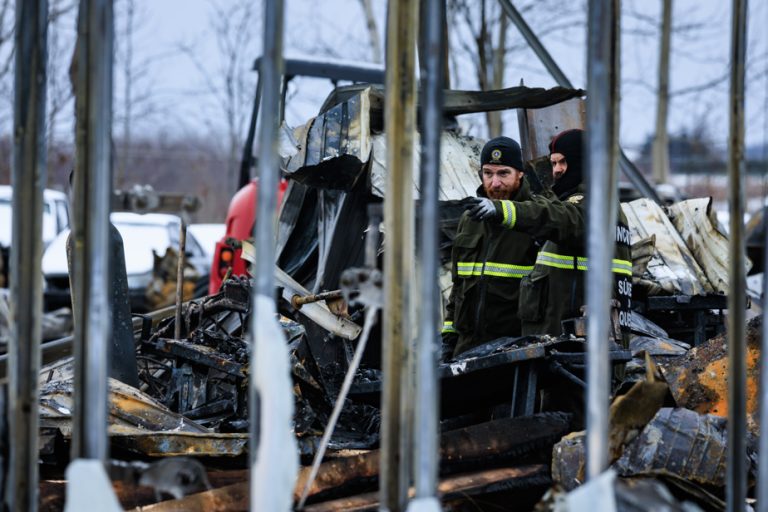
673 266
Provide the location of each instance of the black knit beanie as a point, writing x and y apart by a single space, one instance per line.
570 144
502 151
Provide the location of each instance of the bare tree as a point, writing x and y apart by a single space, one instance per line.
128 78
482 38
482 20
61 40
373 31
136 99
231 83
6 62
661 139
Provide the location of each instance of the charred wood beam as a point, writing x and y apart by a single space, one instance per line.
458 102
235 496
457 488
130 495
400 120
496 442
467 102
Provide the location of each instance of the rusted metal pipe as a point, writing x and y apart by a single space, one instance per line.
272 449
90 228
400 121
180 277
28 178
299 300
425 428
736 474
601 152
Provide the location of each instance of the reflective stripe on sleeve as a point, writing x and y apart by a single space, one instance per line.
550 259
471 268
448 327
509 214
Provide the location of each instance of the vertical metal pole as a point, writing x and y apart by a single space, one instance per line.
762 466
28 179
601 216
660 150
273 454
426 429
736 475
247 159
400 120
629 169
90 228
180 277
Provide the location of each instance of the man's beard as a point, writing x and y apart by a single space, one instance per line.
499 194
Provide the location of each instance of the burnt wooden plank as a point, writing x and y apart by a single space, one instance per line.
455 487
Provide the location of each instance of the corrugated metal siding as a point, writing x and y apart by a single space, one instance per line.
459 166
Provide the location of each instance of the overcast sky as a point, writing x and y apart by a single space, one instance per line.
177 85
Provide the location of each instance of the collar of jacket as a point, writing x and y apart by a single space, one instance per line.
580 189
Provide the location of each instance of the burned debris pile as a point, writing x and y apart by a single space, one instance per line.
511 410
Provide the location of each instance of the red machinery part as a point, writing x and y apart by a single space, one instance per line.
241 217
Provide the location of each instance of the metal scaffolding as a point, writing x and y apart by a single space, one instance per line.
736 475
426 418
602 199
273 454
90 229
28 178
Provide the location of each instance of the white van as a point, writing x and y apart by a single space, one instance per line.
55 215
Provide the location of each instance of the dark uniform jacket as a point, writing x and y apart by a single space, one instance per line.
488 262
554 290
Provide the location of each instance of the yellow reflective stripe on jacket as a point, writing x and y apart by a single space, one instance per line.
550 259
448 327
509 214
471 268
622 267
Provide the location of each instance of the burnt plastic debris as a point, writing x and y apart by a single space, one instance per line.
680 442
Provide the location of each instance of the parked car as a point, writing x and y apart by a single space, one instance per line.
55 220
55 214
142 235
207 235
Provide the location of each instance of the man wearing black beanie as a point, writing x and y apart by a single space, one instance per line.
554 290
566 159
489 261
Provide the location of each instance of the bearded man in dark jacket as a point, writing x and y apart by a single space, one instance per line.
488 260
554 290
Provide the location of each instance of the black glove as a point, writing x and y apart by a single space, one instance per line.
483 209
449 344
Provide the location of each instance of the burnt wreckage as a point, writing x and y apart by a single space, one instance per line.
505 406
